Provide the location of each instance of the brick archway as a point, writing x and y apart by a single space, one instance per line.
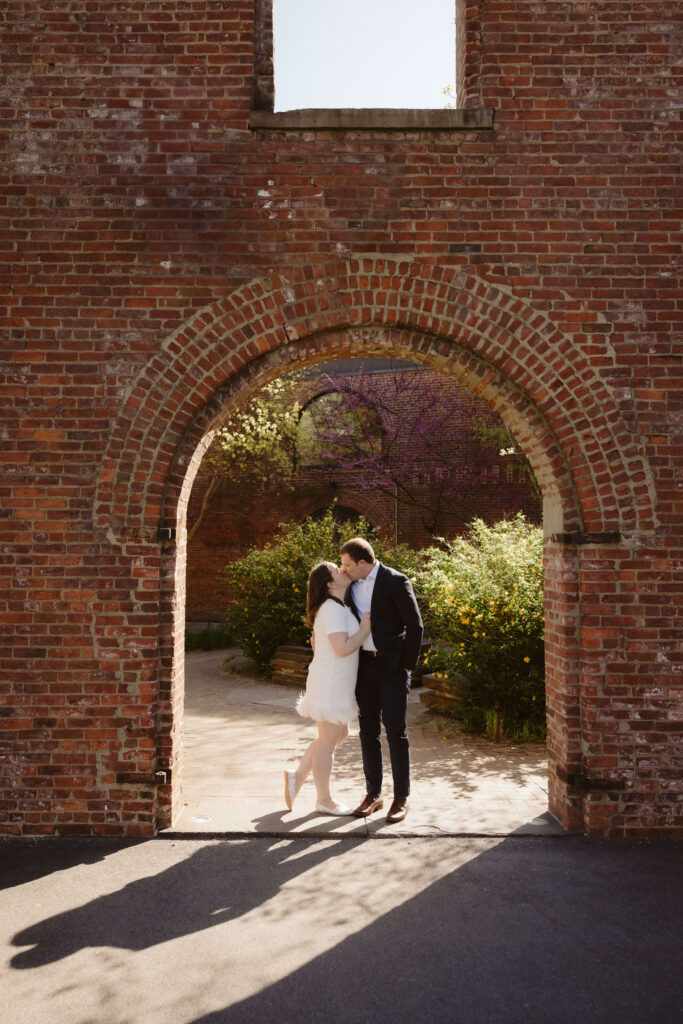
594 484
508 352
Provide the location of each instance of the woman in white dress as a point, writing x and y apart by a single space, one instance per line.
330 697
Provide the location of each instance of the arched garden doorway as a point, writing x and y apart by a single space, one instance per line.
594 487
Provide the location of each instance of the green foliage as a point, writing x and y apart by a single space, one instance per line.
268 586
210 639
482 598
258 442
254 447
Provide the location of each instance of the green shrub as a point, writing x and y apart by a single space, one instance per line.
210 639
268 586
482 598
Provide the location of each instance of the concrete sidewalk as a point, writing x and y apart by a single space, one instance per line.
241 732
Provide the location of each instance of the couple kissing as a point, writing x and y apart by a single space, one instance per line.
366 637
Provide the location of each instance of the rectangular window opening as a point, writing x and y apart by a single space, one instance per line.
364 54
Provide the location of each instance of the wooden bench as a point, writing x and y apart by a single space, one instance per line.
290 666
442 694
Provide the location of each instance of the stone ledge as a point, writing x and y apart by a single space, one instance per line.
373 119
582 538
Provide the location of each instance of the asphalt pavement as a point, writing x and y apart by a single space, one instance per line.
542 929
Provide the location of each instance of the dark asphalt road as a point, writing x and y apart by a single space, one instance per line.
525 929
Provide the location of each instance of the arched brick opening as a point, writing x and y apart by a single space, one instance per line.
594 484
365 505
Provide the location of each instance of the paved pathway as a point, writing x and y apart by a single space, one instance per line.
241 731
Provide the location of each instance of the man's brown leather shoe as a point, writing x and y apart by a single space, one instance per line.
397 811
369 804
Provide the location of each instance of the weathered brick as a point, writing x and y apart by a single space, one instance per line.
172 260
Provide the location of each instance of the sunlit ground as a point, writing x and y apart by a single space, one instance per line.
241 732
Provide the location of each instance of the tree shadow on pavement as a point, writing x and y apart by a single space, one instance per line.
532 931
517 930
219 882
227 718
25 860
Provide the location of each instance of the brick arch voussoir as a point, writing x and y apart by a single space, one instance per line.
560 392
526 423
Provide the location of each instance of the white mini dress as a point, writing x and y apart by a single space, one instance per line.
331 682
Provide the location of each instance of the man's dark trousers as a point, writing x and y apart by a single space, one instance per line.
382 696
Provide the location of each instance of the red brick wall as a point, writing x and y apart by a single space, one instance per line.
240 518
162 261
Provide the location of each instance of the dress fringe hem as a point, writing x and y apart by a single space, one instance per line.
336 716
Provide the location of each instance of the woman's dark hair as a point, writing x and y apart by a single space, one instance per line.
319 577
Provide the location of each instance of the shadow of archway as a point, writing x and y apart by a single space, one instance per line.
530 930
470 930
217 883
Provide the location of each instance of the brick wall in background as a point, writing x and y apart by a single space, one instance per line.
242 517
162 260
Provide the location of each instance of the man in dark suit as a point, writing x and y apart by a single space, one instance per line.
386 659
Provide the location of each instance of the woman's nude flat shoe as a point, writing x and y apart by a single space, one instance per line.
338 811
290 788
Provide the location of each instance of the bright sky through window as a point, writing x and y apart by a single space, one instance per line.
363 53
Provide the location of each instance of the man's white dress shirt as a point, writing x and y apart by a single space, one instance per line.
362 598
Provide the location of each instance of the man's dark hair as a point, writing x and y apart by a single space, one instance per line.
358 549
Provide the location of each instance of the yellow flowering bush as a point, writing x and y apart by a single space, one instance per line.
268 585
482 600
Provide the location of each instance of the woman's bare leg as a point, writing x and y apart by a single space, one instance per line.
330 736
319 758
305 765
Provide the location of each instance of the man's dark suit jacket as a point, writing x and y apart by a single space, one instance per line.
395 618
